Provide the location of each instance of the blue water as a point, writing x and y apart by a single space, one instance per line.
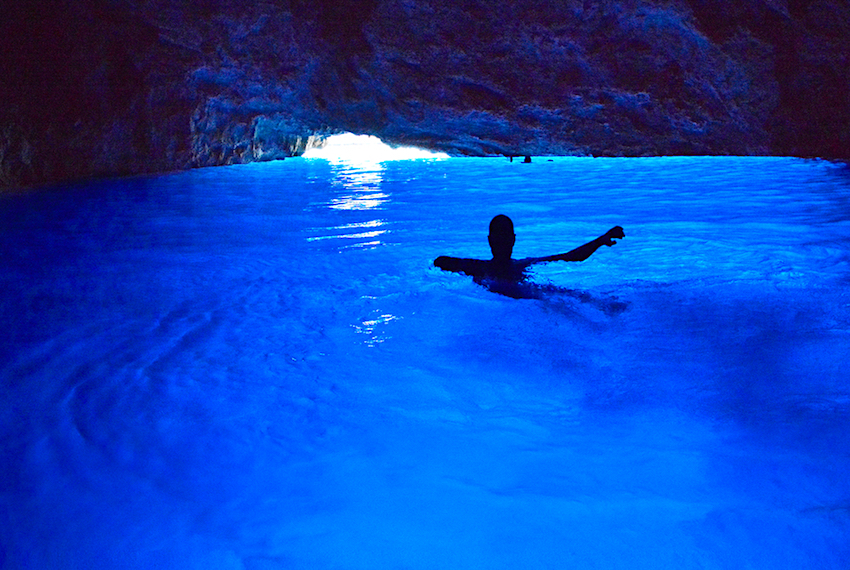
257 367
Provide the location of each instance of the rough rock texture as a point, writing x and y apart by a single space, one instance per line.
111 87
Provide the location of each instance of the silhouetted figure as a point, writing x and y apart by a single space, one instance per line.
527 159
502 274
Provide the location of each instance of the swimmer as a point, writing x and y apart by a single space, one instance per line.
502 269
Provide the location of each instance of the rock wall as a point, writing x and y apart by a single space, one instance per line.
112 87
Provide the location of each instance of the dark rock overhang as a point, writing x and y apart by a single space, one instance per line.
112 87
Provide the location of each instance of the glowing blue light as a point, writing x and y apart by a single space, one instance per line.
259 367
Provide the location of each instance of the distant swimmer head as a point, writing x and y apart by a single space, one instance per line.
502 237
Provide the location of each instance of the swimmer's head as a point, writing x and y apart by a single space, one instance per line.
501 237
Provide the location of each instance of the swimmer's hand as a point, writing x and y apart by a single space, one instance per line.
614 233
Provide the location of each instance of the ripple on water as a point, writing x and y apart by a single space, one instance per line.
261 363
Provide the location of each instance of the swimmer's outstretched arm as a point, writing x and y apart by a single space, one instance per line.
459 265
582 252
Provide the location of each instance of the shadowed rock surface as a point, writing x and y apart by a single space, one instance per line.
112 87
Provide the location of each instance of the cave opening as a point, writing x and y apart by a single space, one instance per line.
354 148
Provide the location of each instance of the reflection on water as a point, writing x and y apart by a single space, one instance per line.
357 187
361 187
222 369
365 201
340 233
374 327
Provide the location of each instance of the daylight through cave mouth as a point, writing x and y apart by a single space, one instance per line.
353 148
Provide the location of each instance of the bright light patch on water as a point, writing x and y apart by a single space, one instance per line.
360 149
258 367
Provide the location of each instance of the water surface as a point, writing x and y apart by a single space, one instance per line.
258 367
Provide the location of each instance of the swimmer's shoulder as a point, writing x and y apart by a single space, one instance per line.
472 267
